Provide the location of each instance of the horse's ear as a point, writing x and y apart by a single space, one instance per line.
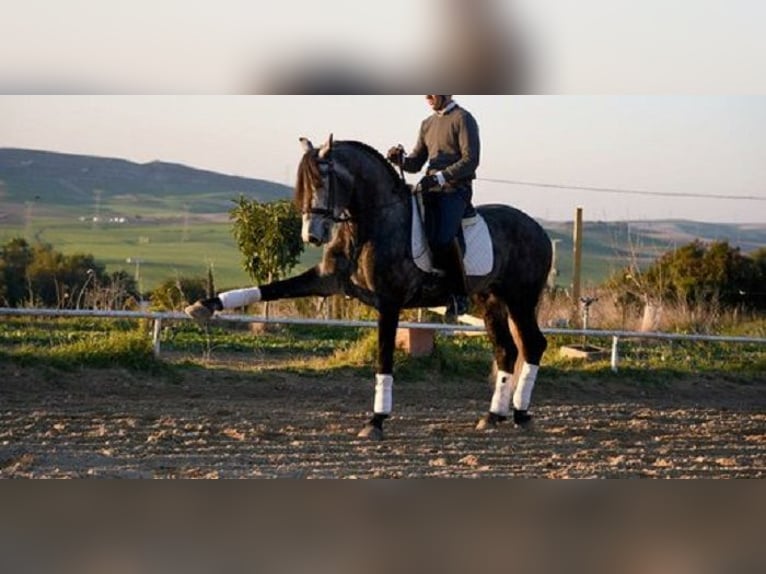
307 145
326 148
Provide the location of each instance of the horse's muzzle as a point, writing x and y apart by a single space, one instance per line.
315 230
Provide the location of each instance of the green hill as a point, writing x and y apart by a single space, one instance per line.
109 187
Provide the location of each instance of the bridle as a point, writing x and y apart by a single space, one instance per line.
329 176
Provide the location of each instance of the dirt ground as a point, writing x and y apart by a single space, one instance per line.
225 422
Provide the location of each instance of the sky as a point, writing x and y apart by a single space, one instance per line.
666 145
659 96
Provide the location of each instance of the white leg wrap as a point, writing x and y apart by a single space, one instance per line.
501 400
384 386
523 395
240 297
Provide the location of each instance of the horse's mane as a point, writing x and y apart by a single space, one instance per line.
309 176
376 154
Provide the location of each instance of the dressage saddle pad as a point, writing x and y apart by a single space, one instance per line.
478 258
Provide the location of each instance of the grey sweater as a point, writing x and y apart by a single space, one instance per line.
450 142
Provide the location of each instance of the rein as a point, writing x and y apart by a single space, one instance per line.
418 207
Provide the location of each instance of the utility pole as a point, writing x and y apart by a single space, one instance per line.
577 259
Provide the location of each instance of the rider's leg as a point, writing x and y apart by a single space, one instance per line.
447 253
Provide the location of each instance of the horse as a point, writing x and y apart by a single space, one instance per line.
355 203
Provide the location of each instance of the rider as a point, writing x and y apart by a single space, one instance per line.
449 141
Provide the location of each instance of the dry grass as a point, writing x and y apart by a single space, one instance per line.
606 313
558 311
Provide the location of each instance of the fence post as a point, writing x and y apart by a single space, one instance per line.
615 353
156 336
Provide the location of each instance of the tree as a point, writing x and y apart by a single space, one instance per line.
3 286
82 275
701 274
268 236
40 275
756 290
63 281
16 256
44 273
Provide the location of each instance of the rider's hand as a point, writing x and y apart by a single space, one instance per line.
428 183
396 155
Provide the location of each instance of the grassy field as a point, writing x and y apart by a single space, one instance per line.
161 250
169 245
164 249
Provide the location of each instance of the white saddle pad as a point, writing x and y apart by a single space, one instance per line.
478 258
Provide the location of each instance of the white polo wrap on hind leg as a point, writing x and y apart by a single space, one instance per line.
501 400
384 385
523 394
240 297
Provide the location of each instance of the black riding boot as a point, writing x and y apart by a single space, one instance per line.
452 259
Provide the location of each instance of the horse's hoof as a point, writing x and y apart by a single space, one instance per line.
523 420
371 432
484 424
199 312
490 422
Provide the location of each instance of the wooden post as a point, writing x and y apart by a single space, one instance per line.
554 271
577 259
156 333
416 342
615 353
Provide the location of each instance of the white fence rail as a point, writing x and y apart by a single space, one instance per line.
158 318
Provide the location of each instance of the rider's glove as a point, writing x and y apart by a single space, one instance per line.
396 155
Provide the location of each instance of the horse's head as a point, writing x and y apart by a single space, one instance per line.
322 192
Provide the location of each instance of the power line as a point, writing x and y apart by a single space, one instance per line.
624 191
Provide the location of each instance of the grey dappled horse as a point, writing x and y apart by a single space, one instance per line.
354 202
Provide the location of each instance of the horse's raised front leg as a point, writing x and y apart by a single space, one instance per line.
310 283
388 321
